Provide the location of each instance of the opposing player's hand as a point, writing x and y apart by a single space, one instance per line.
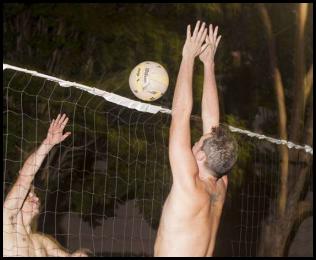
210 46
193 43
81 253
55 132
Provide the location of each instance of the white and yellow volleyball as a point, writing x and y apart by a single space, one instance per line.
149 81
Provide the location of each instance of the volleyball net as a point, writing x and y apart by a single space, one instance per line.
104 187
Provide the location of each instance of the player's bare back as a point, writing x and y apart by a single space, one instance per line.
185 223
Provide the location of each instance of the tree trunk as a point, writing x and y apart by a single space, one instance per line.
282 118
297 118
272 237
277 227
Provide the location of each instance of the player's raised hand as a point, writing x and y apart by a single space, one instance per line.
194 41
210 46
55 132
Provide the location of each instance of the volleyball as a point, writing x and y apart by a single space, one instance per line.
149 81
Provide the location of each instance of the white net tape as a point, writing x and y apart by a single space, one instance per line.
144 107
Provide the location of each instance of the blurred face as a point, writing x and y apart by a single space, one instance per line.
30 207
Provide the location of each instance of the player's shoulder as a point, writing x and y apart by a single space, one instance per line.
10 219
9 224
38 234
48 241
40 237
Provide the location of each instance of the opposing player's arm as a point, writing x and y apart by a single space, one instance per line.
20 189
50 245
180 154
54 248
210 104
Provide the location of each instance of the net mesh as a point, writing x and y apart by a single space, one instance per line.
104 187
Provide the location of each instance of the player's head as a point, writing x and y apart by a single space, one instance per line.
31 207
216 152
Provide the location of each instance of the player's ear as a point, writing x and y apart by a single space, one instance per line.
201 156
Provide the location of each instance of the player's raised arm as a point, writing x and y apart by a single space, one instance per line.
180 154
210 104
21 187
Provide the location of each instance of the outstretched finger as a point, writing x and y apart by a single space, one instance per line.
196 29
217 41
203 48
57 119
63 124
52 124
50 129
65 136
189 31
204 35
207 39
200 33
210 33
61 120
215 34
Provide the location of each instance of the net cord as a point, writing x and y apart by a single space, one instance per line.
148 108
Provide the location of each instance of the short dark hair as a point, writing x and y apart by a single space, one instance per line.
221 150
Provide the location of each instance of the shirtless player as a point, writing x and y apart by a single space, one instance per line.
192 210
22 205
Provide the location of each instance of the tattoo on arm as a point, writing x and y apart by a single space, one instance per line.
214 197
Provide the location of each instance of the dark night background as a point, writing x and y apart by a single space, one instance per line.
113 175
